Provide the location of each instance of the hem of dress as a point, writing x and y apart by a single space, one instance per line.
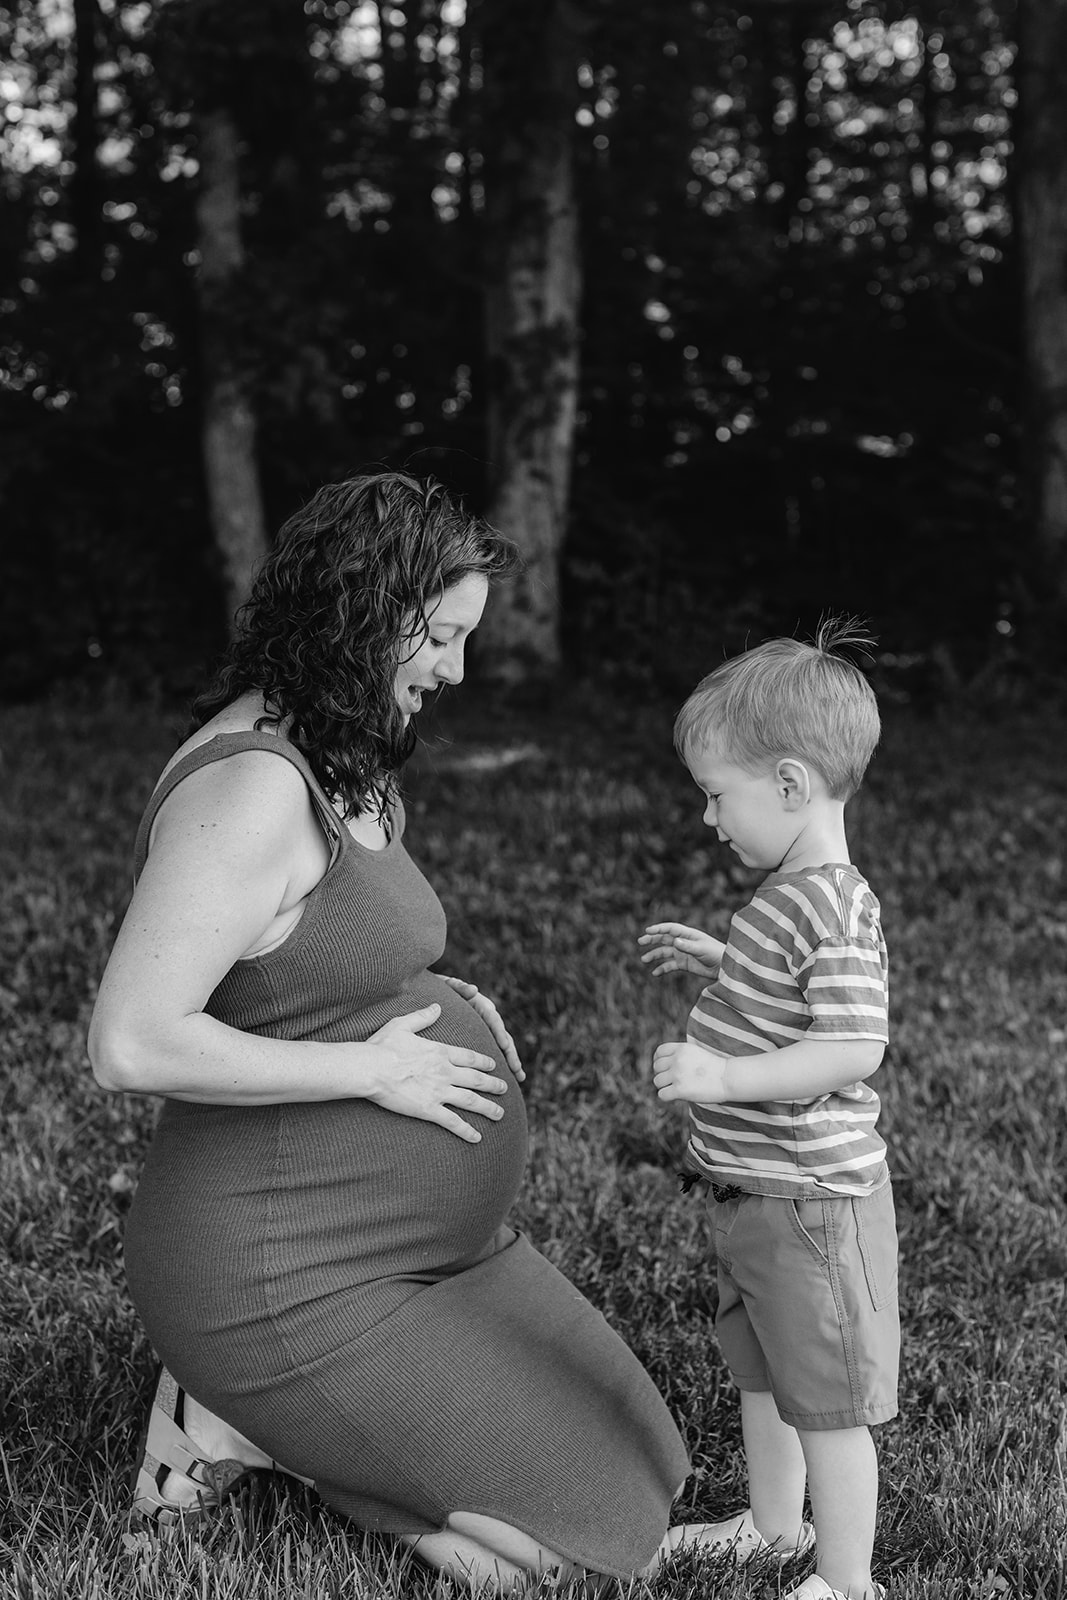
576 1558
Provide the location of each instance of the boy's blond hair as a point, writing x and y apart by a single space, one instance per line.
789 698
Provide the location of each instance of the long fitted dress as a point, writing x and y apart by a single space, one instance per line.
340 1282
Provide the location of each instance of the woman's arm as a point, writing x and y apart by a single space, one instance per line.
235 848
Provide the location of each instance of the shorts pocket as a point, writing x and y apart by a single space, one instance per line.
876 1231
809 1221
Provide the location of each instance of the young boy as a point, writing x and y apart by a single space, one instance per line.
775 1067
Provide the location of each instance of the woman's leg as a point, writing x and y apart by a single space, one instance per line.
485 1552
482 1551
472 1547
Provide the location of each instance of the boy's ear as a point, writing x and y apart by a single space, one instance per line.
794 783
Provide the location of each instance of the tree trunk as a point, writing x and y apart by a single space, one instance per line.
229 426
924 205
780 31
1042 77
85 178
530 57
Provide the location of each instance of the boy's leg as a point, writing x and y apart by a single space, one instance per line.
773 1456
843 1485
776 1469
834 1360
774 1517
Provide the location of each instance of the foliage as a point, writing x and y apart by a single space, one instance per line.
800 330
549 868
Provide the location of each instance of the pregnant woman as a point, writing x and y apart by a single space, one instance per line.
319 1246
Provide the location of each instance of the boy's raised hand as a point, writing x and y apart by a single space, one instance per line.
672 947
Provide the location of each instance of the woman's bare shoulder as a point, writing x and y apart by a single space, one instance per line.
247 789
240 716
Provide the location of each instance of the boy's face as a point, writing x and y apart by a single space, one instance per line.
749 811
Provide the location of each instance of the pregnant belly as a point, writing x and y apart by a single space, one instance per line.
253 1215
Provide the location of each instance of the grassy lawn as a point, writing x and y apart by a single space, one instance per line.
549 867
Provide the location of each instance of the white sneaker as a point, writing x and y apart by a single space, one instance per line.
816 1588
741 1538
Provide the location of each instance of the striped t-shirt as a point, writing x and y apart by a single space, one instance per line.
804 959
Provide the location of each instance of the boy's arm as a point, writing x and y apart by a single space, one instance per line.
685 1071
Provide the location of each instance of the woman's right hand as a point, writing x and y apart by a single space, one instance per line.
425 1079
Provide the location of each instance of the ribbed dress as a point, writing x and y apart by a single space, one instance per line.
340 1282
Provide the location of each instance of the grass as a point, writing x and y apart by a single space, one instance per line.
549 867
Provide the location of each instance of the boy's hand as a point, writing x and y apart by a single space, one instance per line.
675 948
683 1071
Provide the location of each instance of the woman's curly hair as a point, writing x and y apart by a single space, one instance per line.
336 607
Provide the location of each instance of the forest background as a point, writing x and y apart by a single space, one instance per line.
728 313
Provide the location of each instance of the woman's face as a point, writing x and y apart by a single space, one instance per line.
438 657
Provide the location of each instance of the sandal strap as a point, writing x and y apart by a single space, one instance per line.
169 1446
174 1449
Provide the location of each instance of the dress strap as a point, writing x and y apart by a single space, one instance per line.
218 748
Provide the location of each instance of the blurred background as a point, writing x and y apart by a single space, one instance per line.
728 314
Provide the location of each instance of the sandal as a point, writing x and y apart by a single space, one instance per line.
165 1447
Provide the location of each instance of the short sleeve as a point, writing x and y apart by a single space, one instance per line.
844 984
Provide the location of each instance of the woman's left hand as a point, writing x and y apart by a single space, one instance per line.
492 1019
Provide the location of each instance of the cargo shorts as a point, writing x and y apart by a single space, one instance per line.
808 1304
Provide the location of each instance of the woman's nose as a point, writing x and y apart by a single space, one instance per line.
450 664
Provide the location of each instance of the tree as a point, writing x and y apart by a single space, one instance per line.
1043 241
530 58
85 181
228 425
796 233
